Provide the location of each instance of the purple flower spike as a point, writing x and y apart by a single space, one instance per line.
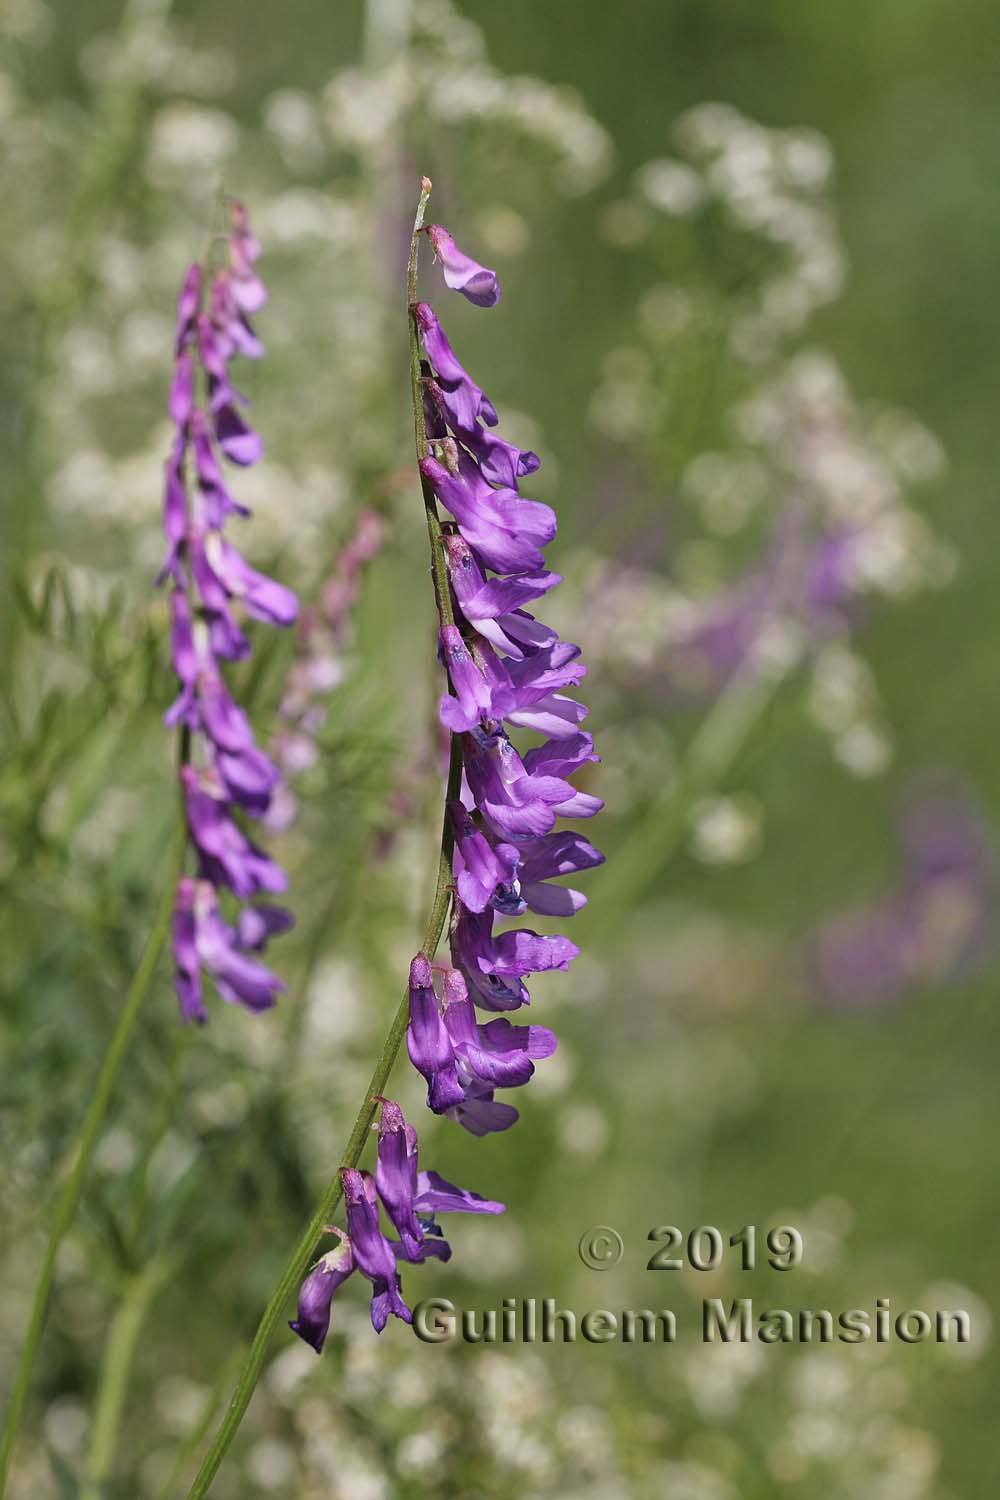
461 272
316 1294
505 669
228 769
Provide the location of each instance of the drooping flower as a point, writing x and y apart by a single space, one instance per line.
204 942
461 272
427 1040
210 582
316 1293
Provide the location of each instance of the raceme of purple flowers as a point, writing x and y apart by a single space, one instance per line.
507 672
411 1200
228 777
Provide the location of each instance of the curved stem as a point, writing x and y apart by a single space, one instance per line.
437 917
90 1131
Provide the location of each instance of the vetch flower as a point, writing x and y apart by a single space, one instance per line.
461 272
316 1292
203 941
373 1253
427 1040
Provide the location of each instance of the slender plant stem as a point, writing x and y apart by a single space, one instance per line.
72 1189
437 917
116 1366
196 1436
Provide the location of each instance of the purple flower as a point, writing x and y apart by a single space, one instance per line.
427 1040
494 1055
936 925
202 940
470 941
516 804
461 272
479 866
262 597
472 691
226 856
373 1253
469 403
506 531
501 462
541 860
494 607
316 1292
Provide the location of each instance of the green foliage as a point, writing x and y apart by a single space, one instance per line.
698 1079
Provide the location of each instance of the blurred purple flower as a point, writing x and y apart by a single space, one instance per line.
324 635
208 574
808 579
938 924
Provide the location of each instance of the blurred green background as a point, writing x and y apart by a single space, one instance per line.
703 1075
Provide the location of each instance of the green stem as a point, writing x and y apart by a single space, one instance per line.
196 1436
90 1131
112 1389
301 1256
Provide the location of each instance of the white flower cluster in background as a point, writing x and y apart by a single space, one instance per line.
791 509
